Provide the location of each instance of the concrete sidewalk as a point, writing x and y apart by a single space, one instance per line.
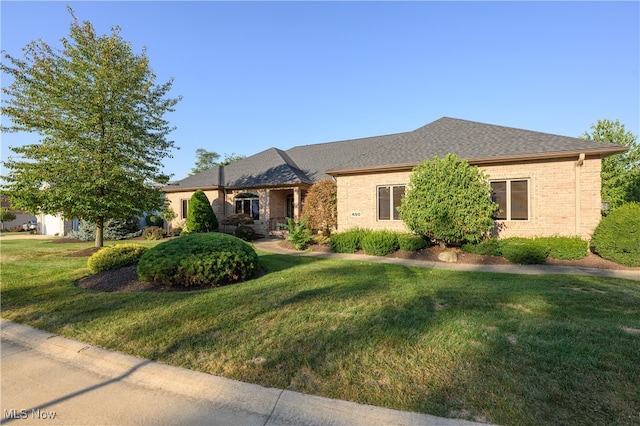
272 246
48 379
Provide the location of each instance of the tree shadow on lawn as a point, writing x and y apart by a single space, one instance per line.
508 352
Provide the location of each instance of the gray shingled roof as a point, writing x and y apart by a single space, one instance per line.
470 140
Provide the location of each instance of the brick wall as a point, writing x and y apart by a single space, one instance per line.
555 206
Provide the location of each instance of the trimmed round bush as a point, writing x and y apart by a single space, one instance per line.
244 232
113 257
199 260
411 242
525 251
617 237
380 243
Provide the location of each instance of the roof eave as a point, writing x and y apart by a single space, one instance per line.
170 188
487 160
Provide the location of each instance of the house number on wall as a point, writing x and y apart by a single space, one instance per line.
356 214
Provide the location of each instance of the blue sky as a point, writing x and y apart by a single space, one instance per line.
255 75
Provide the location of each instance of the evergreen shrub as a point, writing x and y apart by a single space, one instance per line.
566 248
348 241
112 257
245 232
411 242
200 215
486 247
199 260
380 243
617 237
449 201
525 251
113 230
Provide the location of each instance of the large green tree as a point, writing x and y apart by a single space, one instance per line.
204 160
100 116
449 201
620 173
208 159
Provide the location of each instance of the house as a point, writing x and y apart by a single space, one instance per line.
49 224
545 184
21 216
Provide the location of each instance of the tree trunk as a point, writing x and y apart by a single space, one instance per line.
99 233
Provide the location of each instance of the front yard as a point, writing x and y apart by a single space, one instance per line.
506 349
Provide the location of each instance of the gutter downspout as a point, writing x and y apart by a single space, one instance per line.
578 203
224 192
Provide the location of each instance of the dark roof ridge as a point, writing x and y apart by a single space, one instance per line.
292 164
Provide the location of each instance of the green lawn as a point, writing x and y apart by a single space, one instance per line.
511 350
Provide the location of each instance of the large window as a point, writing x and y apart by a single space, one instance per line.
389 198
248 204
512 196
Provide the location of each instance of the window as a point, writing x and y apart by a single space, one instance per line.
248 204
512 196
184 208
389 198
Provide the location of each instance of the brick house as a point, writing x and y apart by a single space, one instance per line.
545 184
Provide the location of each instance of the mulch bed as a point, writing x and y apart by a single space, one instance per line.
121 279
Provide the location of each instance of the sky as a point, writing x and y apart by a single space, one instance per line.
256 75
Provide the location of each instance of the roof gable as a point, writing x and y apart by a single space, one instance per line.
267 168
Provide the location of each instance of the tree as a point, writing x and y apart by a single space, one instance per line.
321 206
200 215
231 158
100 115
449 201
620 173
204 160
6 216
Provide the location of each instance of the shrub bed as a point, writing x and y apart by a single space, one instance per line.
486 247
567 248
113 257
525 251
199 260
380 243
349 241
411 242
617 237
